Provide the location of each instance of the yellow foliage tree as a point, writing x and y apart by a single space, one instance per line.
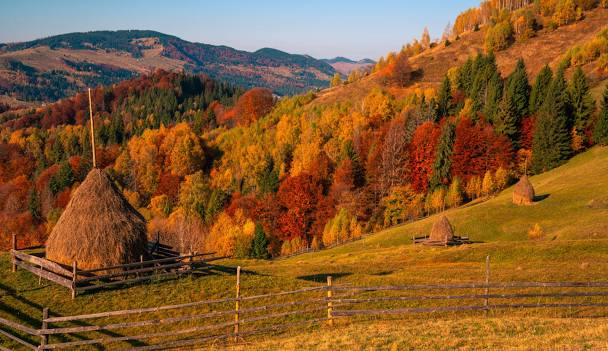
501 178
231 236
378 105
473 189
454 195
487 185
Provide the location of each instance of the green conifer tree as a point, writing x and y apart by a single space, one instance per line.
551 144
581 101
601 128
33 204
494 92
259 247
518 88
507 119
268 179
441 166
444 98
540 88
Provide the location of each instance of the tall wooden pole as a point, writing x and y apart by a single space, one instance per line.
13 258
486 301
237 305
330 306
44 337
92 130
74 278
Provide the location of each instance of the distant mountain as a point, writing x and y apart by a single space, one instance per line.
55 67
345 65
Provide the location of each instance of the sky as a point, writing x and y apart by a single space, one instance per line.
323 29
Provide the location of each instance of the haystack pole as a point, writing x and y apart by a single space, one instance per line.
92 130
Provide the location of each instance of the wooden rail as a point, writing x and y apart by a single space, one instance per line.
233 318
11 325
79 280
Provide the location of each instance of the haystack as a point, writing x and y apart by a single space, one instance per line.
442 231
98 228
523 193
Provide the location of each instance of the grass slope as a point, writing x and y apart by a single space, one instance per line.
576 248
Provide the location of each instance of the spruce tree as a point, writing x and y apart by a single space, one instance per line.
259 246
519 89
494 92
33 204
268 178
540 88
444 98
507 120
601 128
465 76
442 164
581 101
551 144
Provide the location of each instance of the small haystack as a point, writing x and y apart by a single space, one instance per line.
598 203
523 193
98 228
442 231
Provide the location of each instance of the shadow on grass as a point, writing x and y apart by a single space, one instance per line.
322 277
382 273
23 317
539 198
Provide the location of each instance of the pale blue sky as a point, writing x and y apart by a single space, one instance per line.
322 29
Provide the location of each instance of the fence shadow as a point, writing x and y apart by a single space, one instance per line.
322 277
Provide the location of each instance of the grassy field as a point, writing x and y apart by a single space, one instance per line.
575 248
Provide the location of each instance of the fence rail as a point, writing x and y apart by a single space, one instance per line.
77 280
233 318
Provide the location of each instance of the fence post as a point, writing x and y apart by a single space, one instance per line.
486 302
330 309
74 278
13 258
44 337
236 306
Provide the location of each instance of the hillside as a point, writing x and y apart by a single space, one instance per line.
56 67
575 248
546 47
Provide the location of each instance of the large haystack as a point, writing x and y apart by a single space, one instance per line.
442 231
523 193
98 228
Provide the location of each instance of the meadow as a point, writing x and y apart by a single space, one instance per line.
573 248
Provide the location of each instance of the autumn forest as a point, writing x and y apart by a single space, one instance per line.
247 173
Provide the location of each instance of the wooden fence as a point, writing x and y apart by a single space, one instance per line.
232 319
77 280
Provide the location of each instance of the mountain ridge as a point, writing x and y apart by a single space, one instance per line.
72 61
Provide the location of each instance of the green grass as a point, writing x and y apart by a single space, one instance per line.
575 248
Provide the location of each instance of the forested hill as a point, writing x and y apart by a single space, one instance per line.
214 168
59 66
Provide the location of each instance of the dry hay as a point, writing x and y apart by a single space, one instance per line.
598 203
442 231
98 228
523 192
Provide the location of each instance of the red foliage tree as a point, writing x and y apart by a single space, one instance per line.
267 212
422 154
478 149
399 71
252 105
168 184
62 199
527 132
299 197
